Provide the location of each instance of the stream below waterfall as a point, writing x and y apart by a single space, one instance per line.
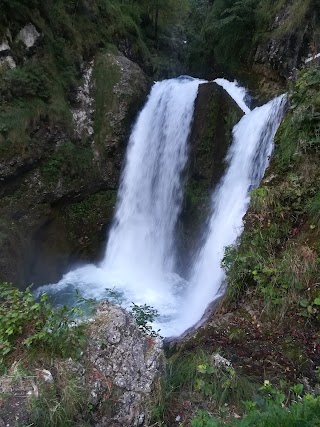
140 259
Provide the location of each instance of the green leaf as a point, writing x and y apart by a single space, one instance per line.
316 301
304 303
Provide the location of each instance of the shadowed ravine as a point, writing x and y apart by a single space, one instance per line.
139 263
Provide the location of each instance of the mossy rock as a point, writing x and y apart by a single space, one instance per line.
211 135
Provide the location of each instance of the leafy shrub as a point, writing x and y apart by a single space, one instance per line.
144 316
299 134
26 322
194 374
269 410
24 82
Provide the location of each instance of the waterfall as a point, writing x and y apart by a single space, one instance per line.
238 93
139 263
247 160
140 250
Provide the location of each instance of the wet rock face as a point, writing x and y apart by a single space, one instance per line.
286 49
6 58
58 188
83 113
215 115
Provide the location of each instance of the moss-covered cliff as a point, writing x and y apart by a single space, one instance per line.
58 197
261 42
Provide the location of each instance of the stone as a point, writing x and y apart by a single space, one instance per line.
28 35
45 375
119 370
115 375
285 51
4 46
215 115
220 362
7 62
83 113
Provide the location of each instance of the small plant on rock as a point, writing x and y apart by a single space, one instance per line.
144 316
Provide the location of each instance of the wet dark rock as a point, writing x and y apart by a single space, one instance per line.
285 49
215 115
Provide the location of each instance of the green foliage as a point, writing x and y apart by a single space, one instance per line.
222 384
27 323
226 33
299 133
71 32
229 28
14 122
203 419
221 33
310 308
314 208
195 374
277 257
24 82
69 161
144 316
269 410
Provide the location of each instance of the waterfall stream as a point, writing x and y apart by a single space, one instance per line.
248 159
139 263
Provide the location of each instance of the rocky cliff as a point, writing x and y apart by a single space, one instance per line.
58 187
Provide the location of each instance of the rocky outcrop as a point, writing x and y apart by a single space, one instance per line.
215 115
291 39
58 185
28 35
123 365
117 375
6 58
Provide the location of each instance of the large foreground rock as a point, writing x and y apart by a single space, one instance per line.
124 365
118 375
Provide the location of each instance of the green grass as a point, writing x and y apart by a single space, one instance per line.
60 404
302 412
314 208
192 376
70 162
15 120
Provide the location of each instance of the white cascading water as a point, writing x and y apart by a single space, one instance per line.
140 258
140 250
238 93
248 159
